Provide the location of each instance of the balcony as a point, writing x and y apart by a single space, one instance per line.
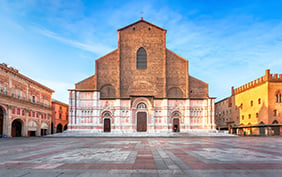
23 100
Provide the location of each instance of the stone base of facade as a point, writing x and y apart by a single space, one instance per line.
131 130
140 114
96 133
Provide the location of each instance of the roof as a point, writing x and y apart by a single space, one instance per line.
141 20
223 99
16 72
85 79
59 102
191 77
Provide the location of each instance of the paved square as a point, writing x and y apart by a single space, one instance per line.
181 156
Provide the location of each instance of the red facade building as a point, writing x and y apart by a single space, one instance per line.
25 105
59 116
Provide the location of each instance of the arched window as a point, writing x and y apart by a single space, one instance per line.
274 112
141 59
174 92
278 96
107 91
141 106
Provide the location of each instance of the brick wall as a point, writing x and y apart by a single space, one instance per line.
88 83
177 75
150 81
198 88
107 70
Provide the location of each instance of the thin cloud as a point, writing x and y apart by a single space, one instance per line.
227 48
61 89
97 49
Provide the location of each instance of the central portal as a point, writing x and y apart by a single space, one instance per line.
141 122
176 125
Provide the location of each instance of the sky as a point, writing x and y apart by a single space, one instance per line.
227 43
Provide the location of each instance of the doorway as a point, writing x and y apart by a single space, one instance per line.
276 130
107 125
262 131
31 133
43 132
16 128
59 128
1 121
176 127
52 128
141 122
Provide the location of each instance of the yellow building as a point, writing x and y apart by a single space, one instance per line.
257 106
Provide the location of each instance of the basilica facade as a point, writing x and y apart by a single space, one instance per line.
141 87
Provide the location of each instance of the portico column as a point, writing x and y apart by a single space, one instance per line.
9 121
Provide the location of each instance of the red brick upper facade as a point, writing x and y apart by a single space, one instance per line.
166 74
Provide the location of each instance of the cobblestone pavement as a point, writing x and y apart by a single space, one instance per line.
181 156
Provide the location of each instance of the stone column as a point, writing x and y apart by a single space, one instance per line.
9 121
6 120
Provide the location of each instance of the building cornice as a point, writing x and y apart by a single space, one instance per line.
16 72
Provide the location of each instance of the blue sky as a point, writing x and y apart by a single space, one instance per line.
227 43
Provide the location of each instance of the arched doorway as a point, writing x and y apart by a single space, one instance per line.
276 128
106 118
141 121
1 122
32 128
141 117
66 127
44 128
176 127
176 121
59 128
16 128
107 125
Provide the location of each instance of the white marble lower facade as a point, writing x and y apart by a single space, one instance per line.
90 113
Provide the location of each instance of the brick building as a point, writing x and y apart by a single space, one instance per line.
256 107
141 87
25 105
223 114
59 116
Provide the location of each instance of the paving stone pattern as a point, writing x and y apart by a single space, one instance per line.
177 156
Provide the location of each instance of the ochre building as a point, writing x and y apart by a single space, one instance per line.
25 105
60 116
256 107
141 87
